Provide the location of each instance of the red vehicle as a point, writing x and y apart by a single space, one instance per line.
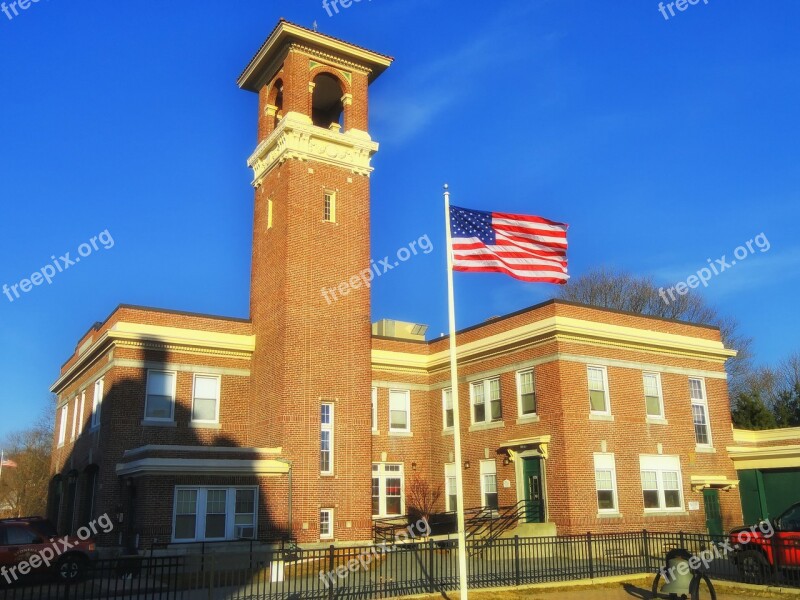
31 545
768 547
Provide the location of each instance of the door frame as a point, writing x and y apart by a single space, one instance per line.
518 475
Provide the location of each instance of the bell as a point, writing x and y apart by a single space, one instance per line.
678 574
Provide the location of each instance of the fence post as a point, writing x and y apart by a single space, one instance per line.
680 539
517 575
591 561
331 559
646 543
431 578
210 574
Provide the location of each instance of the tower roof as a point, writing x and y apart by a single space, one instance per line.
286 33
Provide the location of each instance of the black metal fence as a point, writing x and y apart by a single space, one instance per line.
427 566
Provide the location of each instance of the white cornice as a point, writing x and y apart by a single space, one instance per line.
296 137
744 436
161 466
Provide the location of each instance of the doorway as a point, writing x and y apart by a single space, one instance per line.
713 513
534 490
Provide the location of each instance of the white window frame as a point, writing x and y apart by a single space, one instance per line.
520 374
97 402
329 429
489 467
218 379
407 395
445 393
329 535
382 475
657 377
487 400
660 464
74 419
450 487
62 424
329 211
604 370
375 429
269 213
171 418
604 461
200 512
81 410
703 404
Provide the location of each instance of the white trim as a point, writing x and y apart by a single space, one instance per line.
204 466
375 425
171 418
62 424
327 428
201 505
194 397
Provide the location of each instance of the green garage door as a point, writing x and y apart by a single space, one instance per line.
766 493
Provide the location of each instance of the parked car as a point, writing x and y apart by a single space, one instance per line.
23 538
766 554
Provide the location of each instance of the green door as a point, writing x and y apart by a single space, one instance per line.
713 513
534 490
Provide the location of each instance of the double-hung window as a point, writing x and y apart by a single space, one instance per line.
214 513
702 429
447 408
62 424
450 486
374 410
74 419
527 393
388 493
205 401
81 409
605 476
326 439
326 524
399 411
486 404
160 403
489 484
653 398
661 483
598 390
97 402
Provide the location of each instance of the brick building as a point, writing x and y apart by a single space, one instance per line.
305 421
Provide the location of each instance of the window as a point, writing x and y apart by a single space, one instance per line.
75 419
374 410
81 408
326 524
97 402
605 476
450 487
20 536
653 398
326 440
214 513
702 430
489 484
160 402
388 497
598 390
329 206
205 399
269 214
62 425
661 483
527 393
481 393
447 407
399 410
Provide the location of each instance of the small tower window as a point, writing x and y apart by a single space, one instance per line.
269 214
329 206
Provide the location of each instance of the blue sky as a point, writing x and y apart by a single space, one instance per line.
662 142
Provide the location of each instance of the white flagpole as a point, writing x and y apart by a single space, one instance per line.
451 305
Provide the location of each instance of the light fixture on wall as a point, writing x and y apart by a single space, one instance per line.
506 461
466 464
413 466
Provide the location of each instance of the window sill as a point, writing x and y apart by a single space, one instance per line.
525 419
657 421
609 515
665 513
705 450
448 431
405 434
600 417
195 425
492 425
149 423
375 432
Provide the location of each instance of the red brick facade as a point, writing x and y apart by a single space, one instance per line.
300 351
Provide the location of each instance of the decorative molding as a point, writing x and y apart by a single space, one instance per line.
788 434
214 449
296 137
219 467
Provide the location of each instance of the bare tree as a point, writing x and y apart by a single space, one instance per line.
23 489
620 290
422 497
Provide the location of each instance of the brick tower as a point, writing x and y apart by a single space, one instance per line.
312 369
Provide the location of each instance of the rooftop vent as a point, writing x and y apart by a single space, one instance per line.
399 330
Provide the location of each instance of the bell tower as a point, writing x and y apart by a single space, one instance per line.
311 372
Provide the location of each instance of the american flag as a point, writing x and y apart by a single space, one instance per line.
525 247
7 462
